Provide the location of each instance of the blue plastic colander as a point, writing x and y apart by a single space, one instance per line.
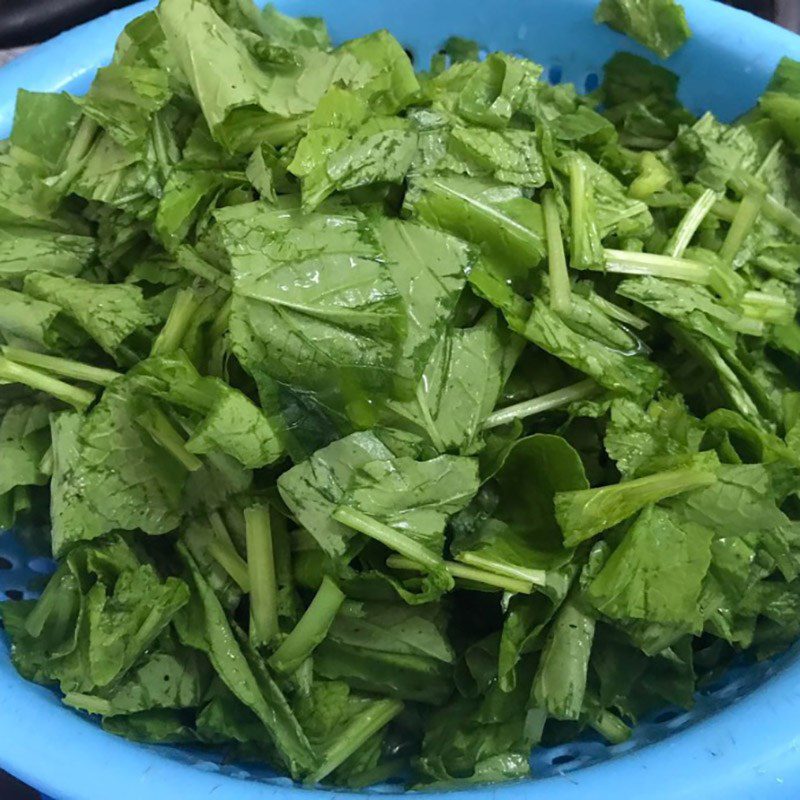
742 738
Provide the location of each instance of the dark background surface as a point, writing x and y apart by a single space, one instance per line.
25 22
12 789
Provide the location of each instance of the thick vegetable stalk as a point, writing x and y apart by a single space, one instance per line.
392 538
557 261
310 630
586 248
261 572
515 584
187 304
13 372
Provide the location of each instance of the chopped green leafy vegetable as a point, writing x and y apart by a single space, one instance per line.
658 24
393 423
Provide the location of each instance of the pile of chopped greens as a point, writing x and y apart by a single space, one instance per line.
384 424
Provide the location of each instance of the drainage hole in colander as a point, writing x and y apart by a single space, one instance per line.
666 716
14 594
592 82
5 563
206 766
679 722
623 747
730 689
42 565
564 758
555 74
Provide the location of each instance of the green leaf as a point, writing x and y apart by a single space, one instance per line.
142 43
328 160
108 313
236 427
124 623
460 386
122 99
43 122
225 420
346 728
414 497
582 337
429 269
510 156
755 443
560 681
109 473
780 101
187 193
36 321
392 650
24 439
603 205
740 501
711 153
497 88
314 304
24 249
499 220
656 572
659 25
385 78
247 101
284 30
585 513
205 627
100 612
313 489
643 441
489 738
527 544
161 726
261 169
694 307
224 719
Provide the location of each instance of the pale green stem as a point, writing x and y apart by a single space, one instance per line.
690 224
468 573
547 402
742 224
62 366
388 536
188 258
679 269
161 430
310 630
610 727
261 569
538 577
773 209
560 299
227 557
360 730
11 372
220 324
186 305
